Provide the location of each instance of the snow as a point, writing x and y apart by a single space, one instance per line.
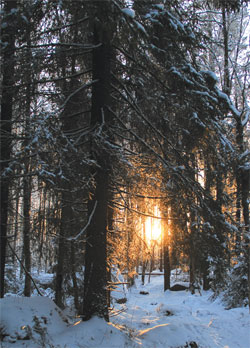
246 166
226 99
159 6
140 27
128 12
171 319
21 314
197 119
246 118
32 322
211 75
161 320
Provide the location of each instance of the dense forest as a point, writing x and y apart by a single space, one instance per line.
125 146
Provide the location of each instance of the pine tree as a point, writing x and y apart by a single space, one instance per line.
8 34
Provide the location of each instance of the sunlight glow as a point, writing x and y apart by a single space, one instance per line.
78 322
142 332
153 227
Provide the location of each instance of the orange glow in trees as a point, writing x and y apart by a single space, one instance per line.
153 227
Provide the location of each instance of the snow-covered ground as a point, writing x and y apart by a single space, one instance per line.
173 319
153 320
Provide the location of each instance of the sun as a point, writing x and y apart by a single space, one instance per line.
153 227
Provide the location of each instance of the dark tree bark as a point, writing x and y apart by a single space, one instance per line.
61 254
238 210
73 275
167 269
193 235
226 83
110 237
95 301
166 257
245 205
161 255
27 181
65 251
204 261
69 195
26 234
129 261
243 186
95 276
8 37
144 262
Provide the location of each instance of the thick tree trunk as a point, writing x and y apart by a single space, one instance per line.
62 248
245 205
27 184
243 186
73 276
60 270
7 36
95 277
95 301
193 235
26 234
167 269
208 185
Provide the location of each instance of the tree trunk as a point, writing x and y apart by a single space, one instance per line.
62 249
167 269
95 276
166 257
245 205
73 276
26 233
15 217
144 261
152 260
161 254
60 269
204 261
238 211
95 301
27 178
8 36
193 235
226 84
110 237
243 186
192 269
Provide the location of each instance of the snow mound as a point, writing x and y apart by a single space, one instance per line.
34 318
36 322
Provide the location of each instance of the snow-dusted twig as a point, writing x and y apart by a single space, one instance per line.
86 226
86 85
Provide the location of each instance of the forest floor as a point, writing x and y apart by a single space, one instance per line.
152 319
